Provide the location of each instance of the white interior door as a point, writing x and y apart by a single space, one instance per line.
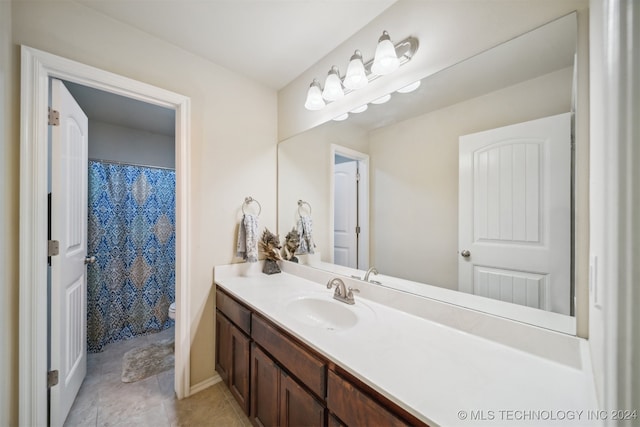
345 238
515 213
68 270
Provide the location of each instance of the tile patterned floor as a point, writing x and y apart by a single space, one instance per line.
104 400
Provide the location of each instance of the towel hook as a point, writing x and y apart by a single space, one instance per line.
300 204
247 201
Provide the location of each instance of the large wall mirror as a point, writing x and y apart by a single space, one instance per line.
461 190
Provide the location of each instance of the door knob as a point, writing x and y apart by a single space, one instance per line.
90 259
465 253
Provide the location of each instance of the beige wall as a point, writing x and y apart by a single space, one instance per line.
233 136
9 159
414 176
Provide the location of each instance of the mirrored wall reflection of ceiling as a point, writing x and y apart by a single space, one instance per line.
118 110
547 49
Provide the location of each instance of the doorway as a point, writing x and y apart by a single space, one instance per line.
350 207
131 161
37 68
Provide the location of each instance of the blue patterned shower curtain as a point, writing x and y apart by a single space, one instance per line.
131 232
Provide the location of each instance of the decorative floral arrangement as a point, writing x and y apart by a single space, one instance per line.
270 246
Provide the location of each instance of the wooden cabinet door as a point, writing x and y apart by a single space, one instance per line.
240 350
354 407
334 422
223 346
233 359
297 406
265 387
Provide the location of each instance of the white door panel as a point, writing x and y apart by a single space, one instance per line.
345 239
512 286
68 270
515 220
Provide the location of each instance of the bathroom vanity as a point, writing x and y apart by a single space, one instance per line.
292 355
278 380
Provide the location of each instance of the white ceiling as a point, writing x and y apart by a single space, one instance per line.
271 41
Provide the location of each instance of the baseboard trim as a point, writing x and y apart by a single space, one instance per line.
215 379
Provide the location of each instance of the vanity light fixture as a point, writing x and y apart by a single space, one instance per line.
356 77
387 59
333 85
314 100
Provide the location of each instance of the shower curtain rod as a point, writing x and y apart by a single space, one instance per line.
115 162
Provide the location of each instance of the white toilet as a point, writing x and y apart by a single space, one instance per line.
172 311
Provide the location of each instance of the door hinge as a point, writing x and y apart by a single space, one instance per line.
54 117
358 229
52 378
358 176
53 248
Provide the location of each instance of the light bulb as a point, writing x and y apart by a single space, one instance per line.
356 77
386 59
333 86
341 117
314 100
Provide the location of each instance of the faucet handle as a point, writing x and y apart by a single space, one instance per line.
351 291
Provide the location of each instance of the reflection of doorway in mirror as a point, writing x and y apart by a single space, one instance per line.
345 219
515 214
350 208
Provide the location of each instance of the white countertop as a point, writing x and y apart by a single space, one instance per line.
438 373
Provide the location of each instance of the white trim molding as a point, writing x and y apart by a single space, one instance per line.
37 68
203 385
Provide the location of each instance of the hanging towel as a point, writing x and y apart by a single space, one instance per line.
247 247
305 227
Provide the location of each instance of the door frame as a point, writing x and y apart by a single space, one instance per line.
36 69
363 200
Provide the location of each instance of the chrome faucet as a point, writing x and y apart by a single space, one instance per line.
342 293
369 271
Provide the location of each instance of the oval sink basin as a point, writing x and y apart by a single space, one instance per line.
322 313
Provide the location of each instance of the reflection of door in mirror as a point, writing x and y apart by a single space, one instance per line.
350 209
345 212
514 219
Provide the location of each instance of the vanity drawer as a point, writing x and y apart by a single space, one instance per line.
310 370
354 407
236 312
